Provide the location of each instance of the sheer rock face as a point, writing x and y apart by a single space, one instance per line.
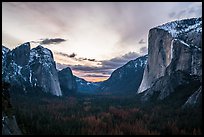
186 58
43 72
35 67
174 46
67 81
159 57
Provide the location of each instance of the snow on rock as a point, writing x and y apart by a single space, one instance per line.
30 67
175 28
30 76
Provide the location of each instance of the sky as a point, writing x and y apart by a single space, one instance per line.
92 38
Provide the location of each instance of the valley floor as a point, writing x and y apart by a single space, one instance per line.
102 115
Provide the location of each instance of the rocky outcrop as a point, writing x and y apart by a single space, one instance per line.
126 78
167 84
30 68
172 47
67 81
195 99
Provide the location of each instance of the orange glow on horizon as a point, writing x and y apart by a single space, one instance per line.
95 79
90 79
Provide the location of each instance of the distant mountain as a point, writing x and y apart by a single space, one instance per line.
84 86
30 69
174 61
126 78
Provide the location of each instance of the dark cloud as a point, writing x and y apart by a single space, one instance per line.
93 60
49 41
52 41
119 61
73 55
143 50
142 41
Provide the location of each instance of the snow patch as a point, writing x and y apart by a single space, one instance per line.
184 43
172 41
19 70
135 65
30 76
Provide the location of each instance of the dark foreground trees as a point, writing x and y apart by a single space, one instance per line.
102 115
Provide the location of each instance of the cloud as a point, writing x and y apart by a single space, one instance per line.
48 41
119 61
91 69
93 60
52 41
124 23
192 9
142 41
143 50
61 66
73 55
172 14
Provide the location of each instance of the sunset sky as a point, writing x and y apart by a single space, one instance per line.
92 38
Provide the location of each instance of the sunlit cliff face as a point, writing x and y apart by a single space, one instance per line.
93 39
